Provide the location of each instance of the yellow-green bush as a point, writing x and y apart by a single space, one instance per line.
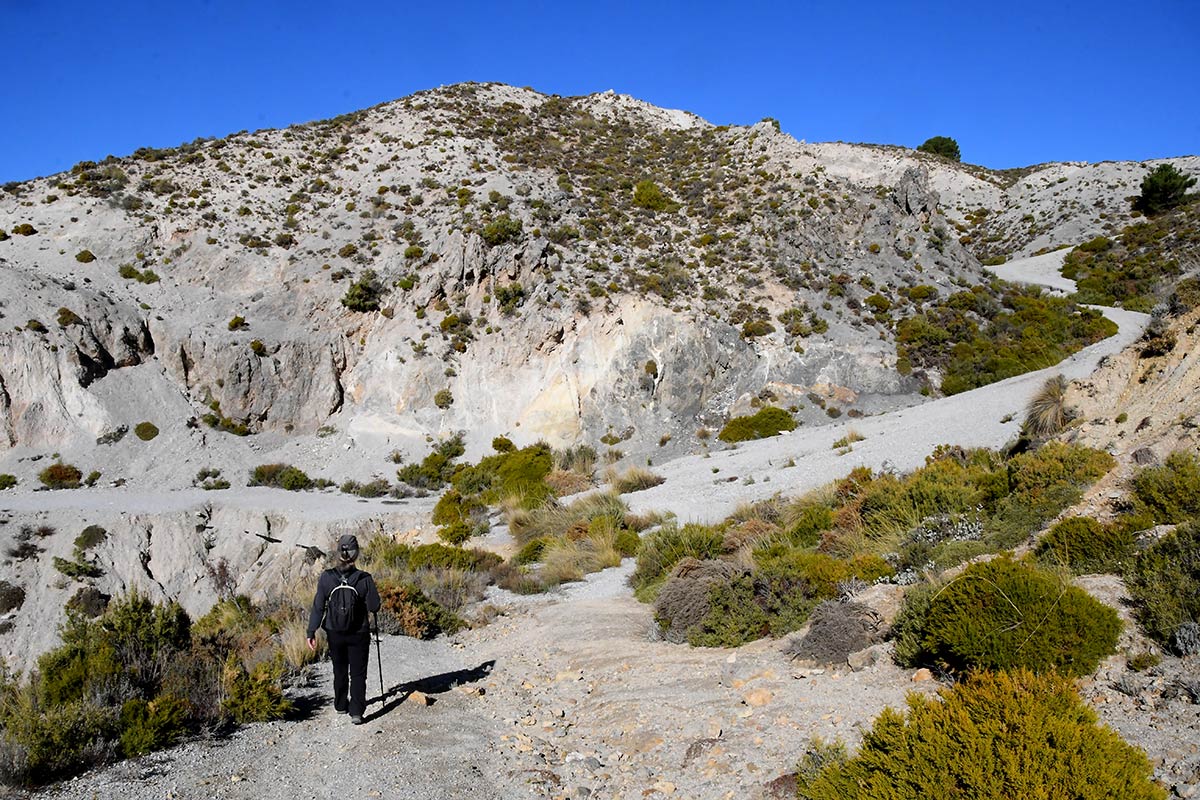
1004 614
1017 735
769 421
1164 583
1085 545
1171 492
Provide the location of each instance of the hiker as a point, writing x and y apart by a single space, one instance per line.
344 596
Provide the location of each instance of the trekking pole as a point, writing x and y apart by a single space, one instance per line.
379 660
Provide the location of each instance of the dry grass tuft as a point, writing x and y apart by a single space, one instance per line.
634 479
1047 413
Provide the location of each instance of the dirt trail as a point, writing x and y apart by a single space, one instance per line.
563 696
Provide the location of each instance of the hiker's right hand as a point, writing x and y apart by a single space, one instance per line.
312 645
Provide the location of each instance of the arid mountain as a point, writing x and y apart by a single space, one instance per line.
542 267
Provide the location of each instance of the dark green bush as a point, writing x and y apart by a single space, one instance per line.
1017 735
145 431
364 294
1084 545
1164 583
942 146
85 257
769 421
1004 614
61 476
994 332
1163 189
7 481
1171 492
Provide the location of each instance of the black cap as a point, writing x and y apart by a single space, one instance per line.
347 547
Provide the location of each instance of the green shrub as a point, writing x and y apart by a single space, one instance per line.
24 229
145 431
1163 189
662 549
769 421
1171 492
280 476
61 740
992 736
443 399
647 194
754 328
364 294
77 570
254 695
1005 614
942 146
85 257
436 468
155 725
1164 583
68 317
501 230
61 476
90 537
1084 545
7 481
530 552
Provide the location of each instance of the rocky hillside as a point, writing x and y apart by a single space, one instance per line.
487 259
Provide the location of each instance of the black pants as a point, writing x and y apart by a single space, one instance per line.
349 653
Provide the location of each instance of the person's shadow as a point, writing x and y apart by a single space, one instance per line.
434 684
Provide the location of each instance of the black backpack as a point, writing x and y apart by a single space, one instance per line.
344 608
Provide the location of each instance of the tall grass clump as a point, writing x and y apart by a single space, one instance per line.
1047 413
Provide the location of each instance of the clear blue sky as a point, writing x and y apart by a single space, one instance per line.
1015 83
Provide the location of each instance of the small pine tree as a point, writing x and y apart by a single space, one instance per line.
942 146
1163 189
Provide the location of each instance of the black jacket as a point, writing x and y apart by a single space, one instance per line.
362 582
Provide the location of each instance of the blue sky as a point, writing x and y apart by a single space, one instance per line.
1015 83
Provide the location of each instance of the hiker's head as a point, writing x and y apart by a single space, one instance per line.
347 549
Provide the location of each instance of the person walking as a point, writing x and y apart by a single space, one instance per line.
345 594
